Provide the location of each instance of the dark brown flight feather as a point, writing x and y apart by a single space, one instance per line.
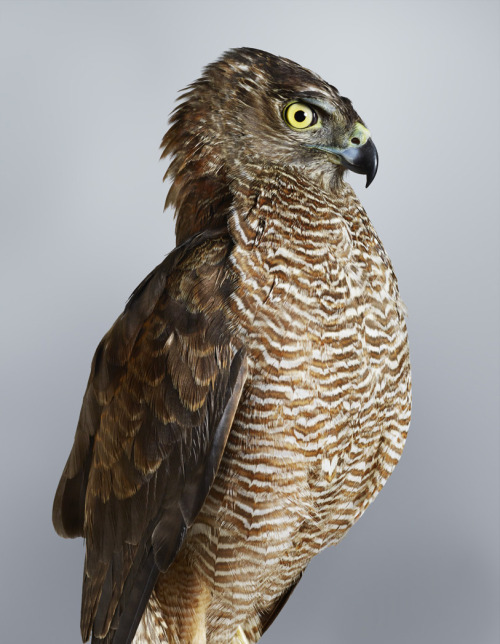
164 387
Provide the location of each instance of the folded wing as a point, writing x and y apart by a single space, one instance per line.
163 390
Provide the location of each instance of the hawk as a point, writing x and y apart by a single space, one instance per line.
254 396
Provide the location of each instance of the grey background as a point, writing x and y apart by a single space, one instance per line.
85 92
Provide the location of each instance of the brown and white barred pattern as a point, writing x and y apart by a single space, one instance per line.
325 412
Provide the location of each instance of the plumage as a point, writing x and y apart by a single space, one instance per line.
254 396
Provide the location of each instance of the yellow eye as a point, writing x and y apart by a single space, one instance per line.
299 116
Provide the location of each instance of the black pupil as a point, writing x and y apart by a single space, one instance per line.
300 116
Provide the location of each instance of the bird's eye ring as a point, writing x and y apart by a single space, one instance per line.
299 116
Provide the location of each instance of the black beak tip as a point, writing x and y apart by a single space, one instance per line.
373 169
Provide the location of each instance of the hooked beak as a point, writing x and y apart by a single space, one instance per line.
359 156
362 159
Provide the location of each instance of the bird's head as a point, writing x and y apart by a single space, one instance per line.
253 109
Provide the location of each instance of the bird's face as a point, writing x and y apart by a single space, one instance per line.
323 137
272 111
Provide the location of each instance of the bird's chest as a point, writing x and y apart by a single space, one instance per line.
323 325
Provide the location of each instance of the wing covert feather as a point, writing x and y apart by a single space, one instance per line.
164 386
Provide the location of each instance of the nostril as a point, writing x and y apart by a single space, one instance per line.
355 140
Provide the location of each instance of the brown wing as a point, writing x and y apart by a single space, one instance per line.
163 390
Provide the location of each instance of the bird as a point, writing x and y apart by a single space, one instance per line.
254 396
